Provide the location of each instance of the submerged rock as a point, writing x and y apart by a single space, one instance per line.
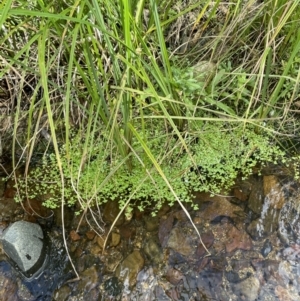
273 191
181 241
23 243
267 248
128 270
247 289
256 197
8 286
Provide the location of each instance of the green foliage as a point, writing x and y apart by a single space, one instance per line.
219 154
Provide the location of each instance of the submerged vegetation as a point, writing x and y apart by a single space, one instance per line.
143 102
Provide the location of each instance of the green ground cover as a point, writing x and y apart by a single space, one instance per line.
143 102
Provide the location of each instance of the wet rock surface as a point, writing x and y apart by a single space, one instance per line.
252 235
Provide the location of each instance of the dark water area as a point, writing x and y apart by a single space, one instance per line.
252 234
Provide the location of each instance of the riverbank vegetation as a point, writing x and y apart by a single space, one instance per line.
143 102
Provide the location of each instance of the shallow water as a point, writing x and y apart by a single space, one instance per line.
253 235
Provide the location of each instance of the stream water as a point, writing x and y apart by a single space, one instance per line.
252 234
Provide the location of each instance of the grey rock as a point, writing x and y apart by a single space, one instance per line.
23 243
267 248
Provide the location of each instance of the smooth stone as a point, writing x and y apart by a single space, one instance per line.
23 243
115 239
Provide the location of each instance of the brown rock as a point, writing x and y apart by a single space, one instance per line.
100 240
165 226
203 263
151 223
130 267
218 206
165 208
273 191
173 293
181 242
174 276
90 235
111 259
111 211
95 250
240 194
197 220
237 240
152 250
74 235
283 294
181 216
88 279
78 252
112 241
256 197
127 232
8 208
62 293
208 240
10 190
115 239
8 289
10 193
35 207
